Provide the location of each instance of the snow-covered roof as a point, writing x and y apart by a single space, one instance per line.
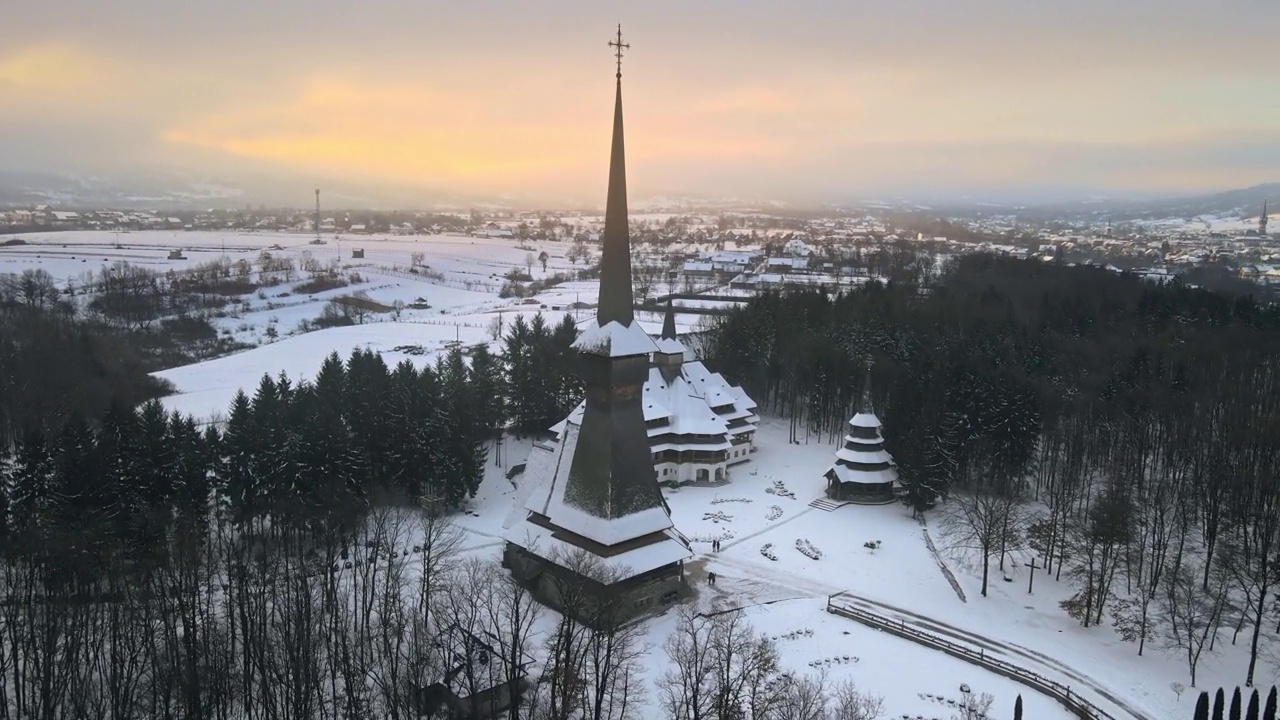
670 346
864 477
551 471
544 542
691 415
614 339
866 420
866 458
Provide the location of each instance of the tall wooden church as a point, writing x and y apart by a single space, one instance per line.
863 471
698 423
596 534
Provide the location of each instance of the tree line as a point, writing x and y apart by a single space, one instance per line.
1123 432
275 566
153 566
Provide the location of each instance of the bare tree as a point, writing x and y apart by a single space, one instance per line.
1191 614
686 690
988 520
803 698
850 703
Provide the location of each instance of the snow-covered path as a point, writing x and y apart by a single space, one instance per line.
742 583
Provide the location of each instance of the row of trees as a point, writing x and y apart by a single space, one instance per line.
1124 433
259 568
1222 712
54 363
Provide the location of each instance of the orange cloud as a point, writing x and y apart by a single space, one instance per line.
49 67
433 136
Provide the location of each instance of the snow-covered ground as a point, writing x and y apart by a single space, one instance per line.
760 515
764 510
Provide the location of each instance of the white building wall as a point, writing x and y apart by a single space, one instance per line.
688 472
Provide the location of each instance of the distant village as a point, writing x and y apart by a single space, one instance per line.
755 250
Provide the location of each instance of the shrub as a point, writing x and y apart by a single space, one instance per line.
320 283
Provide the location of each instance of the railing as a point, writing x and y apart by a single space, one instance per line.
1083 708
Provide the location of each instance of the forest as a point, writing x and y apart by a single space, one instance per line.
1123 432
147 561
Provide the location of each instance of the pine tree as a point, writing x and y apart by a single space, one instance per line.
517 355
236 462
7 469
1269 711
1251 712
155 472
368 383
465 452
31 491
192 489
120 454
486 384
1017 708
1234 712
1202 707
568 384
1219 704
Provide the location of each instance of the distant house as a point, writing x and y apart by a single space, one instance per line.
494 230
698 267
359 228
787 264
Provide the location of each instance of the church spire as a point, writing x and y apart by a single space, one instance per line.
866 392
615 261
669 321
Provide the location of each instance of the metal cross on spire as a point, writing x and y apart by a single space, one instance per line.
618 46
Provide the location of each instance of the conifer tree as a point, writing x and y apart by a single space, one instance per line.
486 385
367 383
31 486
1234 712
409 421
518 357
1251 712
1269 711
1202 707
239 470
464 467
1017 708
119 454
267 440
76 469
1219 704
192 489
155 472
7 465
568 384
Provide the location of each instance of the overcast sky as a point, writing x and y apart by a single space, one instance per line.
793 100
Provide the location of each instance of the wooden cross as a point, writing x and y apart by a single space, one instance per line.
618 46
1031 578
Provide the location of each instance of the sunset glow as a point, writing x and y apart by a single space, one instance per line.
795 101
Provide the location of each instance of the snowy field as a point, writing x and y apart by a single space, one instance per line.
760 515
765 509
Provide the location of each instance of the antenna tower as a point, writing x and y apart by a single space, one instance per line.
317 216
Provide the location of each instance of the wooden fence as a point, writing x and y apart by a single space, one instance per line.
1082 707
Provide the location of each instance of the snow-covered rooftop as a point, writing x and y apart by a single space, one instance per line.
614 339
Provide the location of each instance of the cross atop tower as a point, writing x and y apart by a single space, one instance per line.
619 46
